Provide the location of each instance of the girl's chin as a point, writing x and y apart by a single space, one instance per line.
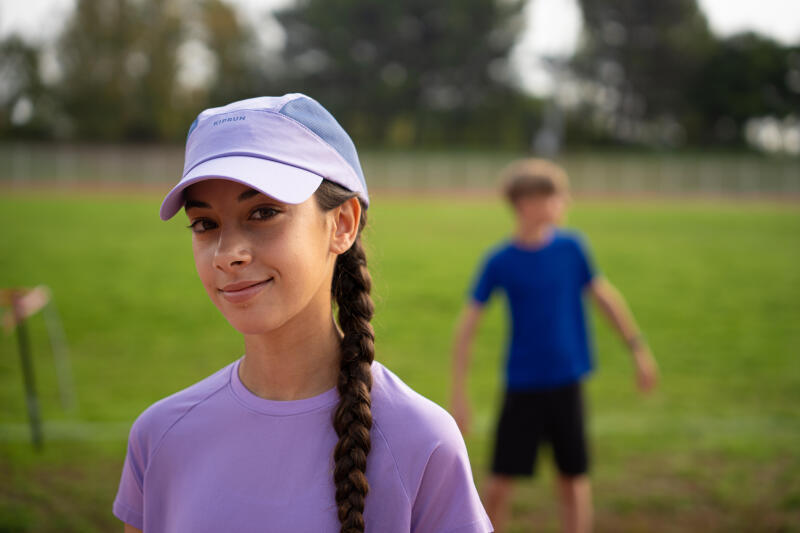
252 327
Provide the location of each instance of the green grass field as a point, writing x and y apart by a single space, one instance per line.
715 286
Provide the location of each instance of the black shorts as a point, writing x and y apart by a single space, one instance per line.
532 417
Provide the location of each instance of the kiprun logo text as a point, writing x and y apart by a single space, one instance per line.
229 119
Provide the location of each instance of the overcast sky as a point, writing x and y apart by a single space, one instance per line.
552 28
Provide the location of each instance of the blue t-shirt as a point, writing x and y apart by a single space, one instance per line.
549 344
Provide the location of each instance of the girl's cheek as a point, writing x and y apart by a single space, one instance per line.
204 264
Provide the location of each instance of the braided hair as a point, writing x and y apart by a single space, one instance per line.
352 419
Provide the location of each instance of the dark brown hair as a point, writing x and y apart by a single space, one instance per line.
533 177
352 419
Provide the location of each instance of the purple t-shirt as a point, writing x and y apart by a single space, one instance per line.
215 457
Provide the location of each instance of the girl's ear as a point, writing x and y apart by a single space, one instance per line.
346 219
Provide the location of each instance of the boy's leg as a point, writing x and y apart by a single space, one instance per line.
575 501
516 442
567 431
497 498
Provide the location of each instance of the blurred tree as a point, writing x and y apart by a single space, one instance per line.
746 76
119 59
405 72
22 94
238 72
141 69
640 58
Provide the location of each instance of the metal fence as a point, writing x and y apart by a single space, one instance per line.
595 172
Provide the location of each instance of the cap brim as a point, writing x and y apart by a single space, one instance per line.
285 183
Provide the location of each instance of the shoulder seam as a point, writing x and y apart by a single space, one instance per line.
157 447
394 459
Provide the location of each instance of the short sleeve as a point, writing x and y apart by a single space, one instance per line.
586 269
129 503
447 501
485 282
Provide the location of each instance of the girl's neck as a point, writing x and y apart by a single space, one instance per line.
298 360
533 236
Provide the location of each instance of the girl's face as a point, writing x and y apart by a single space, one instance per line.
262 262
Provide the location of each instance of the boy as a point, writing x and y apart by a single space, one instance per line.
544 271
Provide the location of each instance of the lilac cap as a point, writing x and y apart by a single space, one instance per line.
283 146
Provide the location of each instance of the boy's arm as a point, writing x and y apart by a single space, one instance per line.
613 305
459 404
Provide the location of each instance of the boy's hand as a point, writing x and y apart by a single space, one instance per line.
646 369
459 408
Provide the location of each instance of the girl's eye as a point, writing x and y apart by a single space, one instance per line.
202 225
264 213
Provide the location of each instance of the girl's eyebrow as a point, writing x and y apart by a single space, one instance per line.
194 203
249 193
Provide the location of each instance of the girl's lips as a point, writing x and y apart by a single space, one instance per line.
243 290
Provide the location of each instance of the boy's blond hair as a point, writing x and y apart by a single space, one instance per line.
532 176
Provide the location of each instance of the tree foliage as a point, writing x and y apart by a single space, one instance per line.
122 59
119 60
238 71
401 72
746 76
642 56
657 75
21 91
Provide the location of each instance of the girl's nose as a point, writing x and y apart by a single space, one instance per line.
233 250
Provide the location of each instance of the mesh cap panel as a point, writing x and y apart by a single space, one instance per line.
312 115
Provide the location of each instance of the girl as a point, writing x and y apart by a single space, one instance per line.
305 432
